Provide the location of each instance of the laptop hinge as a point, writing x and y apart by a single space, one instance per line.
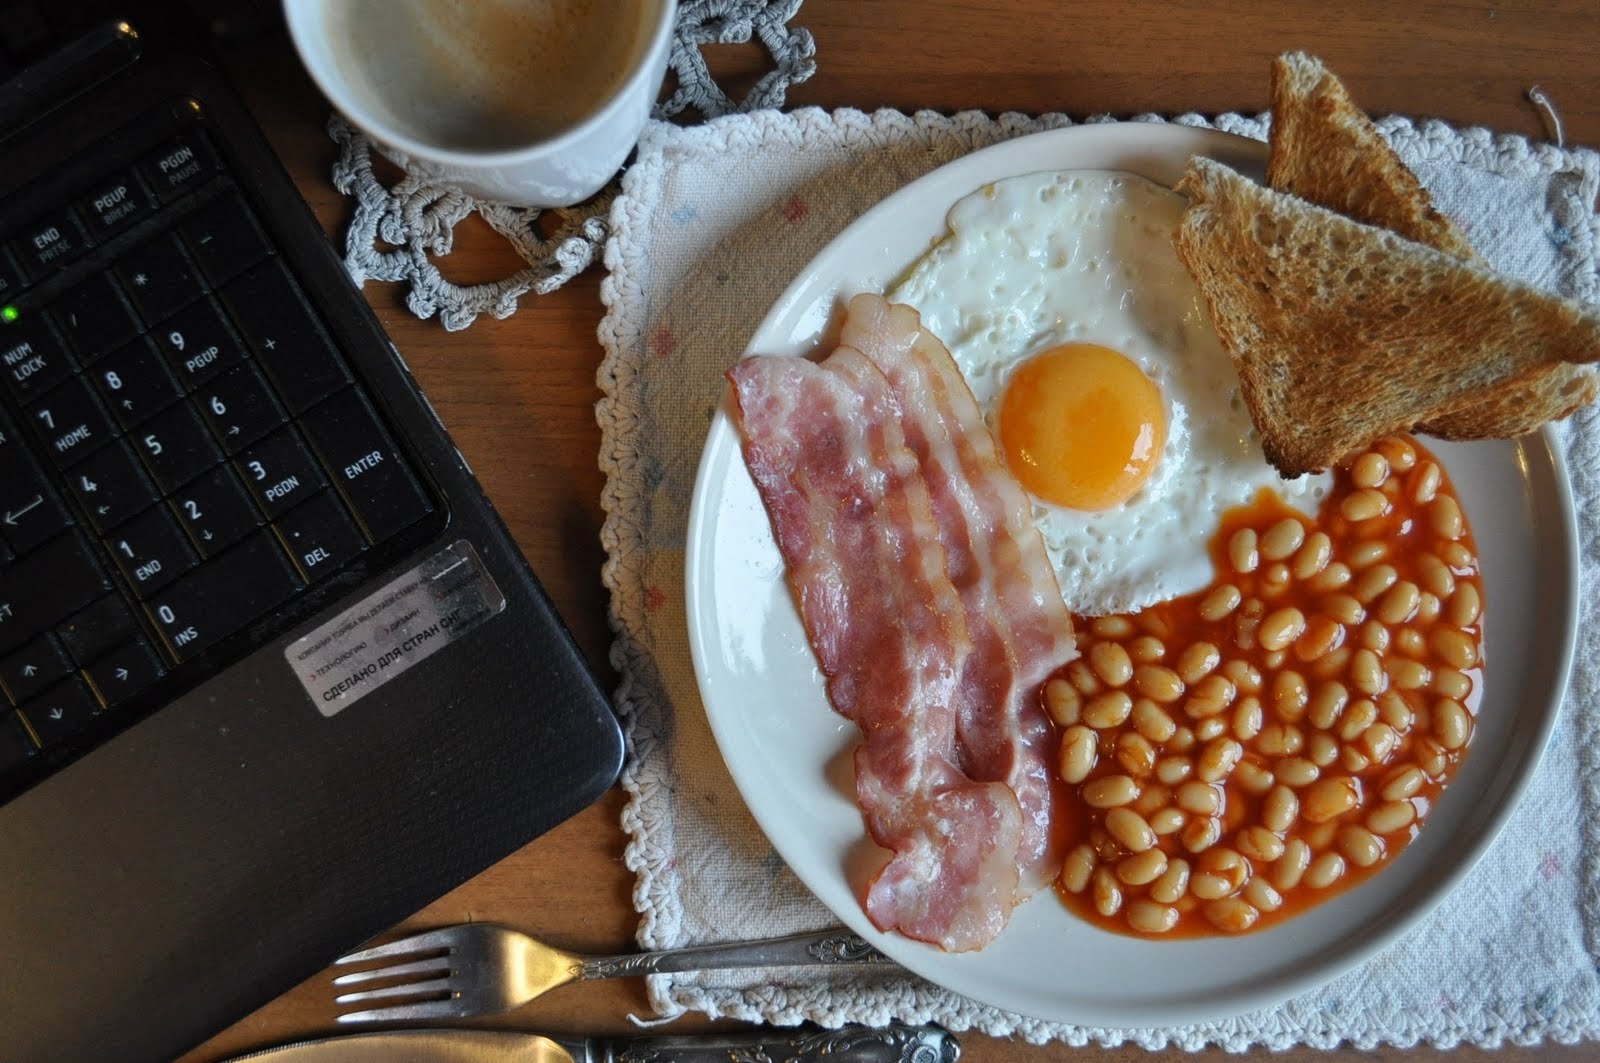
74 68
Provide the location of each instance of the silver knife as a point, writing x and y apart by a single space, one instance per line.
850 1044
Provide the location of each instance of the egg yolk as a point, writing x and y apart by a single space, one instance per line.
1081 426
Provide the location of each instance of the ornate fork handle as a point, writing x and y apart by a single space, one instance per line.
853 1044
836 947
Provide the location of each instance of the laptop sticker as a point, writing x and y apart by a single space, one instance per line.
395 627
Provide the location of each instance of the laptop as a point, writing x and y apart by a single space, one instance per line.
273 675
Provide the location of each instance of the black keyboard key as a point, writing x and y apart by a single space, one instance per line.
95 318
70 422
10 277
175 446
92 631
62 711
215 511
320 536
280 472
30 511
365 464
159 277
111 485
16 746
239 407
224 595
50 242
225 239
288 341
33 357
198 343
134 382
34 667
39 591
115 203
151 550
187 162
32 518
124 672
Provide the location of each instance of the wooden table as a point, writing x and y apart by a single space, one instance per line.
532 377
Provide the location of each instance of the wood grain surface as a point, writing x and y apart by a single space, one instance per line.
518 395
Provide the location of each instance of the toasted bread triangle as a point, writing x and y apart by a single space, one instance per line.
1343 333
1325 149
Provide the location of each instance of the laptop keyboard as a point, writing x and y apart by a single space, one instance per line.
183 450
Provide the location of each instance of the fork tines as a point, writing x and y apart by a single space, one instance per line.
436 994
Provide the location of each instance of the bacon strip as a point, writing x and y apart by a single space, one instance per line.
854 521
1020 627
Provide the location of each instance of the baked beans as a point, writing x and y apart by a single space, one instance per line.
1240 754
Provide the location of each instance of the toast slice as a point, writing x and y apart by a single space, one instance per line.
1325 149
1303 298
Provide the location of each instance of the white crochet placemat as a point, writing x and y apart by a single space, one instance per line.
711 225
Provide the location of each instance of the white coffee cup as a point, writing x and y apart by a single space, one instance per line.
424 79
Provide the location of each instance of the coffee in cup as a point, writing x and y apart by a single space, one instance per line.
535 102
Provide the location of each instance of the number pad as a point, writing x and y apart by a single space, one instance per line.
215 511
134 383
183 449
198 343
176 447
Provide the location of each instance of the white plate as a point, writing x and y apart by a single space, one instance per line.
788 751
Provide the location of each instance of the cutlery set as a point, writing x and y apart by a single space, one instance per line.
854 1044
476 969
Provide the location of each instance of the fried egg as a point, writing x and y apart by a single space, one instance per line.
1096 364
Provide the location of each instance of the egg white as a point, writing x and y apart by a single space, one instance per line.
1035 261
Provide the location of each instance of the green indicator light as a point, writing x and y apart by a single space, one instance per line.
9 314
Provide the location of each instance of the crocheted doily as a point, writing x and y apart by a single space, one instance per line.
399 229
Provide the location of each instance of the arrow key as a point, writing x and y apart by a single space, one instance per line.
215 511
240 408
134 382
111 485
61 711
31 669
124 672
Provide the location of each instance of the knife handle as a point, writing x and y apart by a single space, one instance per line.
851 1044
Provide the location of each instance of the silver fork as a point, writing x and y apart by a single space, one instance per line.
480 969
